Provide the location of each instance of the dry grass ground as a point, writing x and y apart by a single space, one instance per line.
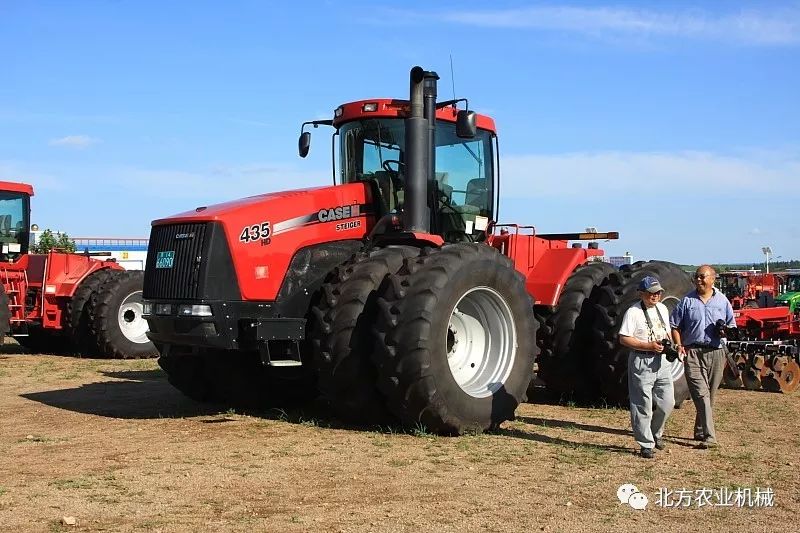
113 445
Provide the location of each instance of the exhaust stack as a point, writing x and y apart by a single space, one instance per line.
420 143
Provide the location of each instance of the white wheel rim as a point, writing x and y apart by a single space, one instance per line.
130 319
675 367
481 342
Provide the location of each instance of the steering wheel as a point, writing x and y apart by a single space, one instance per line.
395 174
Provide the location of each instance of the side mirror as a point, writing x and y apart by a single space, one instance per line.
304 143
466 124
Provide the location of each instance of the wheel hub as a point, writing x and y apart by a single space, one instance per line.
481 342
130 319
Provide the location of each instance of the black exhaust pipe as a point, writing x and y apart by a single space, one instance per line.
420 157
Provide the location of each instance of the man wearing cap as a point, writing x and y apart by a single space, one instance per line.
643 328
695 332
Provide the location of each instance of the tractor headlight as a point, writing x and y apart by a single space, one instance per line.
163 309
194 310
147 308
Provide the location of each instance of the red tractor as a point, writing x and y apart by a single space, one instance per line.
394 293
750 289
62 302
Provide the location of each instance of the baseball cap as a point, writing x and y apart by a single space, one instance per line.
650 284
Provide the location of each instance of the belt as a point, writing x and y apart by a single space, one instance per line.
704 347
647 354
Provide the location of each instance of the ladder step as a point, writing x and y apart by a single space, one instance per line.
285 362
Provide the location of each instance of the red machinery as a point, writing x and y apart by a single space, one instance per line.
751 289
61 301
769 323
396 287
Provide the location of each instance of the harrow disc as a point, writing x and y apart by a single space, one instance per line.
770 382
789 377
730 380
751 379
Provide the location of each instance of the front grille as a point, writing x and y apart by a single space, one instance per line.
181 280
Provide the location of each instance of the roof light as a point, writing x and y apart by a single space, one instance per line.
339 111
370 107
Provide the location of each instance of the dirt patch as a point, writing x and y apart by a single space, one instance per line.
113 445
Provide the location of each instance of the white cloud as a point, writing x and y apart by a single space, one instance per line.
755 231
75 141
776 27
218 184
604 174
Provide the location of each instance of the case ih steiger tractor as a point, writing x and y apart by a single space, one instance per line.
393 294
62 302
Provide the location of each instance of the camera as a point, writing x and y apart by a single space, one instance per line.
669 351
725 332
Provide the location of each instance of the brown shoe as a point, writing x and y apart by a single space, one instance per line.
660 444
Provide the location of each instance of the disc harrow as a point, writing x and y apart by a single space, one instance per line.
773 366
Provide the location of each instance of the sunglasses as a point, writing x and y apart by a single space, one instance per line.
659 293
702 276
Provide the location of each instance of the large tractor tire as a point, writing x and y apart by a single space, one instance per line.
566 339
187 373
342 334
234 378
455 339
80 313
120 329
615 296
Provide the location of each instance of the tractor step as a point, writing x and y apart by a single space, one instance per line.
285 362
267 360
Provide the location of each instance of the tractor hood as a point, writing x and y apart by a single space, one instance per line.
263 233
787 297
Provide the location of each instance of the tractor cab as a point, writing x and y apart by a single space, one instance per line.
15 202
791 295
370 140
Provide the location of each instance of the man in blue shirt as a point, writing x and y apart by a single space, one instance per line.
694 330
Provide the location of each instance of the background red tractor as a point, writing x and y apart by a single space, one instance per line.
750 289
62 302
393 294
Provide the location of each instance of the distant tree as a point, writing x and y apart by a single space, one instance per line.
53 241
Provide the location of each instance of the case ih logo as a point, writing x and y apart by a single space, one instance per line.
183 236
339 213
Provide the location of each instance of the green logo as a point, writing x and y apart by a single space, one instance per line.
165 259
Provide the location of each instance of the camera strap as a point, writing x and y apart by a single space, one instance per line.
650 324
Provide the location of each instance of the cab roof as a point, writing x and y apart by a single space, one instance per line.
392 108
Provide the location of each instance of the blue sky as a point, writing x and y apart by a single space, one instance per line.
675 123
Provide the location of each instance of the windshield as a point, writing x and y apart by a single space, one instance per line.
13 224
374 151
732 285
793 283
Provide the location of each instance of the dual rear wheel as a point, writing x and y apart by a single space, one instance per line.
104 319
438 338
